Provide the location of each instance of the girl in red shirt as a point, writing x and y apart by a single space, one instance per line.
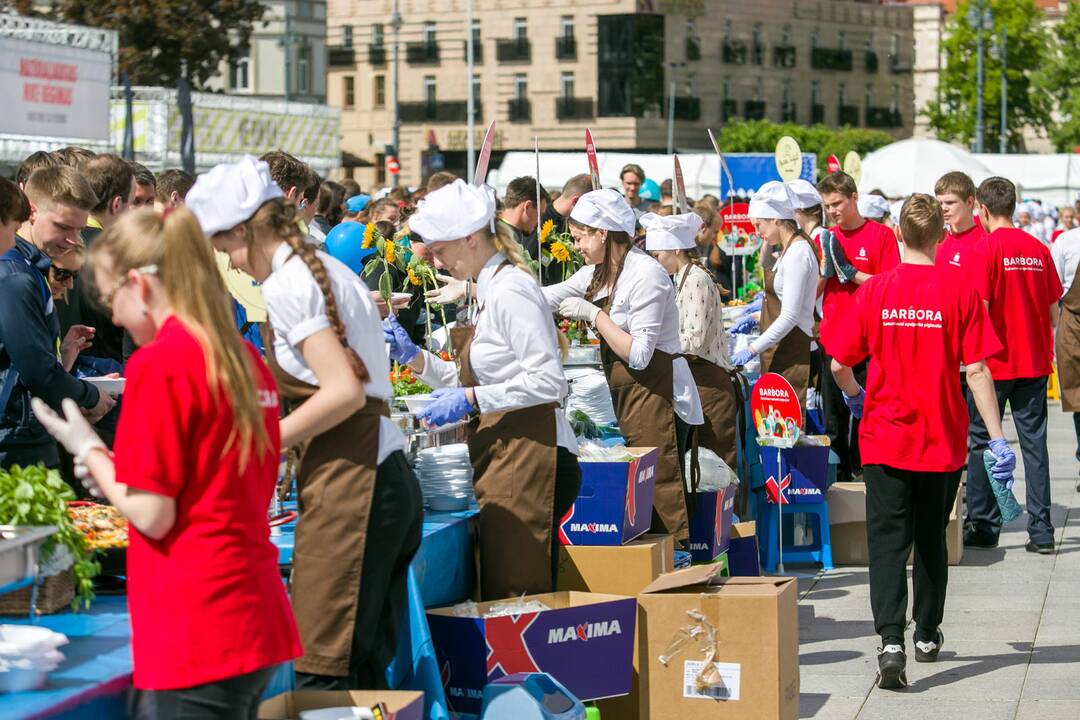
917 326
195 465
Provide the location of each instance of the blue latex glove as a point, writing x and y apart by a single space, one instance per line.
755 306
742 357
402 348
744 326
450 405
1006 462
855 404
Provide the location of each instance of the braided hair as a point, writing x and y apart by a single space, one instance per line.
278 217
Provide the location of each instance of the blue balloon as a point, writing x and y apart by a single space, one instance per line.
649 190
344 242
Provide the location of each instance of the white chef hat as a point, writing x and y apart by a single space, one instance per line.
671 232
803 194
772 201
231 193
873 206
454 211
606 209
895 209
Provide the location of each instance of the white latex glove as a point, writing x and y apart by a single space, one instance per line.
578 308
83 473
72 431
452 291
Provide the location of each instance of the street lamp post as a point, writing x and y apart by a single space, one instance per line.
470 105
671 106
395 25
979 19
1003 144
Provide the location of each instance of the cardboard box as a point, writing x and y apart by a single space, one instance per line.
755 656
744 559
710 524
614 505
847 525
401 704
619 570
806 470
585 641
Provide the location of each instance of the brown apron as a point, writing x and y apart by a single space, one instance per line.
791 356
1067 349
644 405
718 402
514 455
335 484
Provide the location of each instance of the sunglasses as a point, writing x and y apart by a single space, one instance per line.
62 275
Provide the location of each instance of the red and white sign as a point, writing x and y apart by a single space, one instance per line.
776 410
53 90
736 215
392 165
832 164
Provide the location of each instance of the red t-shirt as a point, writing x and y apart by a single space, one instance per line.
1021 283
206 601
918 327
956 247
871 248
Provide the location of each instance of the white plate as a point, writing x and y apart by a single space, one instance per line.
400 299
112 386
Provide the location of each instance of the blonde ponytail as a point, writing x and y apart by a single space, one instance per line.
196 291
507 244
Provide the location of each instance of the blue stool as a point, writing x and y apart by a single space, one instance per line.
819 551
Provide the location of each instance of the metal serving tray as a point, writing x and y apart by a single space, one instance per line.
20 553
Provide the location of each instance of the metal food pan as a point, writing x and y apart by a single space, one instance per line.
20 553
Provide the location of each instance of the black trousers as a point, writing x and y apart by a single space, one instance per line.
567 487
840 426
235 698
905 507
395 527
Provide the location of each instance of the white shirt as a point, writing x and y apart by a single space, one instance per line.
796 285
296 310
515 352
643 305
1066 254
701 321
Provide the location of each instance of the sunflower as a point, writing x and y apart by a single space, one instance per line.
560 252
412 277
545 230
390 247
369 236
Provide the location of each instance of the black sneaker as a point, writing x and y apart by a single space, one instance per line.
892 667
927 651
1041 548
976 539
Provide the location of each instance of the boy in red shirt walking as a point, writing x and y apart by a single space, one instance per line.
917 326
1018 280
956 193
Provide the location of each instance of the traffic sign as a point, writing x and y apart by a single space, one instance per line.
392 165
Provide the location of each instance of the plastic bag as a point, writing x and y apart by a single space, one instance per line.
715 473
1006 501
520 606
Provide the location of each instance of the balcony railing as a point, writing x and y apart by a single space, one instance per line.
817 114
477 51
754 110
883 117
728 109
687 108
789 113
733 52
517 50
421 53
574 108
565 47
784 56
376 54
870 61
830 59
520 110
340 56
423 111
847 115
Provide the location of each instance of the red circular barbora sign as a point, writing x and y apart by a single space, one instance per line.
776 410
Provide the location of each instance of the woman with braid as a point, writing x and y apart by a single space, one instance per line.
325 347
509 379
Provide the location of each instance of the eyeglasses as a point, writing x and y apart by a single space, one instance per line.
62 275
107 298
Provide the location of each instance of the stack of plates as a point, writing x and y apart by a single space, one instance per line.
590 394
27 655
445 475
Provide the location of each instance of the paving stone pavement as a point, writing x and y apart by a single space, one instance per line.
1012 625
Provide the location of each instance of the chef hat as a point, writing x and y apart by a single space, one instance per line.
895 209
231 193
772 201
454 211
873 206
803 194
673 232
606 209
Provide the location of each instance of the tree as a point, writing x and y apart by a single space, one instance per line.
953 114
761 136
162 40
1061 79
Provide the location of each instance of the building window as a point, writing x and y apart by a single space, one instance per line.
521 87
429 89
815 38
870 42
841 40
786 35
378 35
378 92
566 26
346 36
348 92
815 92
727 29
476 91
787 93
566 83
841 93
476 34
238 73
521 29
869 95
896 96
429 33
691 85
894 45
303 69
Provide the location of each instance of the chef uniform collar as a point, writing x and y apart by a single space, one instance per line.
605 209
454 211
672 232
231 194
772 201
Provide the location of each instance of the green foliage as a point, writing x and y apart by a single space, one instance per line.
158 38
761 136
36 496
953 114
1060 79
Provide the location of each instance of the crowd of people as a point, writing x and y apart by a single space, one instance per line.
914 334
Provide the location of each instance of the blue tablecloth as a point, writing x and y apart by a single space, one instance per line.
94 679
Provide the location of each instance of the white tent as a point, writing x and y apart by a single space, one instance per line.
914 165
1054 179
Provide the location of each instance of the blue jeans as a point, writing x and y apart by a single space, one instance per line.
1027 399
